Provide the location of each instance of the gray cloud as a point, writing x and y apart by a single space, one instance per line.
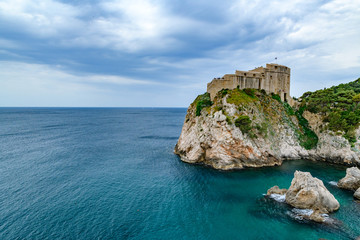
180 45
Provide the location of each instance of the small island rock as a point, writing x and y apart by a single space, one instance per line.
309 197
307 192
352 179
276 190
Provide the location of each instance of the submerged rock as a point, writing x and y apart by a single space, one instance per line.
352 179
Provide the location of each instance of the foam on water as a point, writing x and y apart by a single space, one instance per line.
333 183
278 197
304 212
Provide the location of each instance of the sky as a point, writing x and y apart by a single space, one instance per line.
158 53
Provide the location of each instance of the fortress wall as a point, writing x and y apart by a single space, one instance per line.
252 83
273 79
218 84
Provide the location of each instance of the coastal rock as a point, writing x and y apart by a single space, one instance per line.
352 179
211 136
277 194
309 197
307 192
357 194
213 139
276 190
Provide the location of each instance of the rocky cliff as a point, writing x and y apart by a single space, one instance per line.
249 128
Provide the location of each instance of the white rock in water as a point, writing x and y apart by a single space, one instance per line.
357 194
352 179
307 192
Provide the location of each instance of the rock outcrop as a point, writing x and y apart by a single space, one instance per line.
276 190
352 179
254 129
307 192
357 194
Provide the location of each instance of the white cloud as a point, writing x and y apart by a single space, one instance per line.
46 18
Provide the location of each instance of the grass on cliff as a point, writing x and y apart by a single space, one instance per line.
201 102
240 96
339 106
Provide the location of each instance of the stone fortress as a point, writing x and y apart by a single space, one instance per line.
273 78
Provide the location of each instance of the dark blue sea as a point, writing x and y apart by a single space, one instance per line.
110 173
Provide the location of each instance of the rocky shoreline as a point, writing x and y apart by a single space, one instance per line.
212 136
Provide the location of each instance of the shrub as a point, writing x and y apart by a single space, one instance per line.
217 108
223 92
228 120
276 97
202 101
308 138
244 123
339 105
289 110
356 98
250 92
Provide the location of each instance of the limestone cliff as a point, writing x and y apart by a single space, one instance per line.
249 128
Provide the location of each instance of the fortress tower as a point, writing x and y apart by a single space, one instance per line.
273 78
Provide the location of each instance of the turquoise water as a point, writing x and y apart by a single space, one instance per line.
111 174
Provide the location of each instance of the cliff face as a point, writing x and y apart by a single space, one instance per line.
248 128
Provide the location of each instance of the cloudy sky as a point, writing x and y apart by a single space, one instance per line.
157 53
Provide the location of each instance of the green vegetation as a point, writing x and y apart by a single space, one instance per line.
308 139
244 123
289 110
276 97
339 106
217 108
202 101
223 92
238 96
228 120
250 92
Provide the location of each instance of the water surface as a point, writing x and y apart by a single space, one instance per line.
110 173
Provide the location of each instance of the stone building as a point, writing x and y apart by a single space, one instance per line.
273 78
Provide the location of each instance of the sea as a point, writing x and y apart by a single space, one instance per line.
111 173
